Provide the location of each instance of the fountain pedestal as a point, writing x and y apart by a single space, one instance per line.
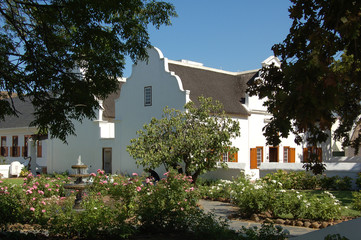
78 185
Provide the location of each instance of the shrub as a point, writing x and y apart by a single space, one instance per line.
98 220
255 197
219 190
267 231
167 205
356 202
11 208
294 179
358 181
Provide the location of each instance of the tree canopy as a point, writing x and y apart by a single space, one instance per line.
195 138
63 55
319 81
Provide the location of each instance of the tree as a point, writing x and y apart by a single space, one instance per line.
195 138
63 55
319 81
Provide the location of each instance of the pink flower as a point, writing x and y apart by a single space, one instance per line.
192 189
34 198
40 192
166 174
62 198
115 184
99 193
29 192
43 210
1 181
139 188
36 183
134 174
47 185
49 189
185 200
32 209
92 174
42 202
147 180
182 209
105 182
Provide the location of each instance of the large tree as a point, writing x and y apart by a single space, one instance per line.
319 80
63 55
195 138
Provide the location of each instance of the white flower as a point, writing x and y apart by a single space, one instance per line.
282 190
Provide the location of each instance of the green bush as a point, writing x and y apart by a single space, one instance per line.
356 202
266 232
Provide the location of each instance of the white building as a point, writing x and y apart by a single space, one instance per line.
19 142
158 83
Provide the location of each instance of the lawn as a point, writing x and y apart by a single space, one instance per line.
13 180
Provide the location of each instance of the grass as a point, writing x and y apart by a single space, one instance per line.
13 180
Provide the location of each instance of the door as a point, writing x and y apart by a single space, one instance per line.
107 160
273 154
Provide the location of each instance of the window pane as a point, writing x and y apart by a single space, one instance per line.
148 96
259 156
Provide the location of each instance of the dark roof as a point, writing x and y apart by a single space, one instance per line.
25 114
225 87
109 103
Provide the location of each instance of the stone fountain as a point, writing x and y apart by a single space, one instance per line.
80 172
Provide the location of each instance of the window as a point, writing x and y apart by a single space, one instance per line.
289 155
309 151
229 157
259 156
4 148
147 96
39 149
15 149
285 154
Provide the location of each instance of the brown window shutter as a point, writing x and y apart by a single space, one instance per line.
292 156
18 151
319 154
253 159
233 157
39 150
11 152
6 151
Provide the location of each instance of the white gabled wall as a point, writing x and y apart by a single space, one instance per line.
167 90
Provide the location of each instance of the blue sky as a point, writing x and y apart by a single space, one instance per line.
233 35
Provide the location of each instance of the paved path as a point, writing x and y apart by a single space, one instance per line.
221 209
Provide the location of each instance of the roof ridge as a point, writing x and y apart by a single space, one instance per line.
210 68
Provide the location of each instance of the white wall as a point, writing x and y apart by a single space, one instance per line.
87 143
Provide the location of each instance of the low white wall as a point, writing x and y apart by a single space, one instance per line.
4 170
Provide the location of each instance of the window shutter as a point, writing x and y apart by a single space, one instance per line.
319 154
292 156
39 150
233 157
253 160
